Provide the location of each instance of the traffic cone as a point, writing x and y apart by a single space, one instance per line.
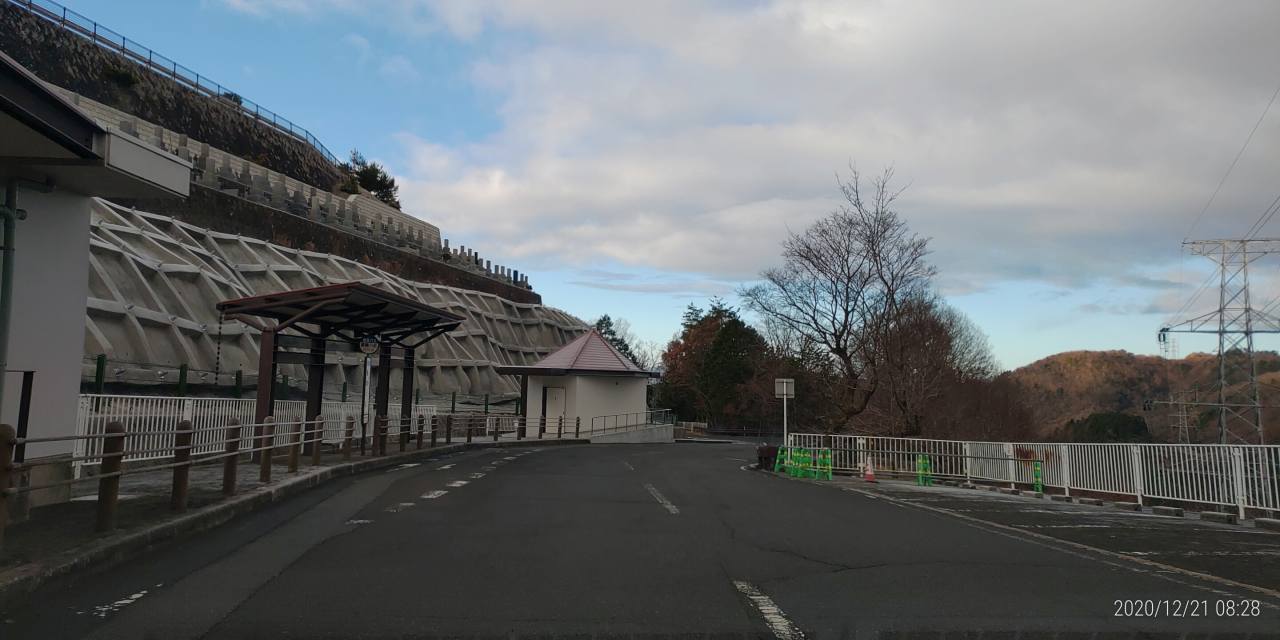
869 474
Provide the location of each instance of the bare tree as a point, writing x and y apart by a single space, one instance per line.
842 283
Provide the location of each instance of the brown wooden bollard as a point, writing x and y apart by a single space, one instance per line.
348 437
577 426
318 435
8 442
422 427
405 424
295 445
560 427
182 472
109 482
380 445
519 430
266 448
435 428
470 422
231 453
497 427
448 429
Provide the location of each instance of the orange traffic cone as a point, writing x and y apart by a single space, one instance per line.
869 474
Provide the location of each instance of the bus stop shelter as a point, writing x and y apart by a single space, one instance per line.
347 313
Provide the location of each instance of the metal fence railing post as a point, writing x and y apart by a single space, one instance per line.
1011 465
182 472
1064 455
1237 472
1135 454
109 481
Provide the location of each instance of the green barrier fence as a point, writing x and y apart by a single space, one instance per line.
802 462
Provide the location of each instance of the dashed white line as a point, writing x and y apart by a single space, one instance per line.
488 467
444 467
360 521
628 465
432 495
476 476
662 500
782 627
456 483
396 508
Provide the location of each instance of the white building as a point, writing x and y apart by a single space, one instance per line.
586 379
54 160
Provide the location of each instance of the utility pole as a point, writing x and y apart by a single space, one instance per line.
1235 322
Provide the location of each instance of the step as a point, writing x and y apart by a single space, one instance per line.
1126 506
1060 498
1270 524
1175 512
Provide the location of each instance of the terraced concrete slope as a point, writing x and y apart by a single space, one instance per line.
154 281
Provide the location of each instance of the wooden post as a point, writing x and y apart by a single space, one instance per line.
577 426
435 428
347 437
181 473
448 429
109 482
8 442
317 429
380 446
231 449
497 422
315 383
406 426
469 421
422 425
265 448
559 427
265 403
295 445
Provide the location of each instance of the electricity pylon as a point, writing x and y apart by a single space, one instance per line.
1234 322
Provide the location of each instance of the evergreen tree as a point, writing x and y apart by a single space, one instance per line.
605 326
372 177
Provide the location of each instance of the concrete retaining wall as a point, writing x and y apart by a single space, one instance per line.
655 433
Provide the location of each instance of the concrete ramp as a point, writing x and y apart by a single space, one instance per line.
637 435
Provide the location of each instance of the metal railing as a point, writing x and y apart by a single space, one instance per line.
82 26
625 421
1240 476
151 418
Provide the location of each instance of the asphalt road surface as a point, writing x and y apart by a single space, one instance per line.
609 540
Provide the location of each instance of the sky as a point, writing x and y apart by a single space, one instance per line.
637 157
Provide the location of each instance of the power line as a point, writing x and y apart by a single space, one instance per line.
1232 166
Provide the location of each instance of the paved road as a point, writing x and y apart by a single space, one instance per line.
606 540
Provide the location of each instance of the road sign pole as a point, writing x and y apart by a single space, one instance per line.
784 421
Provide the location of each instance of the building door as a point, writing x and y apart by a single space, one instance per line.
552 403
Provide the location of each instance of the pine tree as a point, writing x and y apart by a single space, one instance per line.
610 333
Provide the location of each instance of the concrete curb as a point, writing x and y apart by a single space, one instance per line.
1174 512
23 579
1271 524
1217 516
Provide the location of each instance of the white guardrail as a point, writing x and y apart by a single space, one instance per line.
1241 476
159 414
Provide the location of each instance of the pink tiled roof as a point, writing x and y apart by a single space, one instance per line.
588 352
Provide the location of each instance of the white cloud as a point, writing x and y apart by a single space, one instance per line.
1069 143
398 68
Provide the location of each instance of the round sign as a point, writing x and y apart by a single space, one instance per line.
369 345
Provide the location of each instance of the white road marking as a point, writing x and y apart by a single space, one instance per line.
628 465
443 467
783 628
456 483
510 458
396 508
432 495
103 610
737 459
476 476
488 467
662 500
408 465
359 521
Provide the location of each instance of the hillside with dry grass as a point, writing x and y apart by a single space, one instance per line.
1074 384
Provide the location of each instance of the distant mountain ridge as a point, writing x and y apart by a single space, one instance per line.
1073 384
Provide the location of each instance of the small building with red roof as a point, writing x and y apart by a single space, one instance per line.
585 379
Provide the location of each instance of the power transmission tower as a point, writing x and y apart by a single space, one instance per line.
1235 323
